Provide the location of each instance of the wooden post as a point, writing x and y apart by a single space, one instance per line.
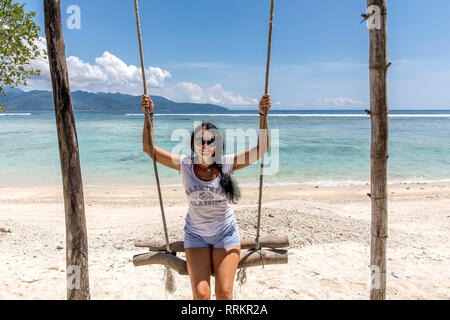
76 235
377 12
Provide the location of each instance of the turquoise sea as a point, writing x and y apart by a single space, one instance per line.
314 147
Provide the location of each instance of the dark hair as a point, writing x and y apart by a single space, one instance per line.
228 184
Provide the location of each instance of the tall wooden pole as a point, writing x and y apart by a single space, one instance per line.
76 235
377 12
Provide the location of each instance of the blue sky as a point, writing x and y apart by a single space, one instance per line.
215 51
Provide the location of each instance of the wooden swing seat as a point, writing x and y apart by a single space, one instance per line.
250 258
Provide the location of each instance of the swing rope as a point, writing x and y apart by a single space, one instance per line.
168 274
261 172
242 273
150 127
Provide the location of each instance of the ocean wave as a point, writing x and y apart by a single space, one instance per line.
246 184
305 115
443 115
15 114
338 183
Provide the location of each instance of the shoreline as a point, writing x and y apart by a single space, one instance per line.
245 184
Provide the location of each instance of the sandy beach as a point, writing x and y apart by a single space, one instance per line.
328 229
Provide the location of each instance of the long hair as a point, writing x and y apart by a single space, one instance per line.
228 184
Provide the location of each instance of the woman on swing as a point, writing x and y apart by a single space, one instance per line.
212 241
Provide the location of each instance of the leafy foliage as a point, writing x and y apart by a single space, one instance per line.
18 45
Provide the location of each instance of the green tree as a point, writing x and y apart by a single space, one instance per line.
19 35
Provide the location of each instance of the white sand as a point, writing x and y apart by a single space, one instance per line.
328 229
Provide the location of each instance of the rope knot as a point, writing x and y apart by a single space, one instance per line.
259 250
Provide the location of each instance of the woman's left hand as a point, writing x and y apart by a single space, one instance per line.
265 104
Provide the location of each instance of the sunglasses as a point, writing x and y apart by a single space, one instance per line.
200 142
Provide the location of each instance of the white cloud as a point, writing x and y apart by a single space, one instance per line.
338 102
108 74
111 74
188 91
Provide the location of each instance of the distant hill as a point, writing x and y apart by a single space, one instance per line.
18 100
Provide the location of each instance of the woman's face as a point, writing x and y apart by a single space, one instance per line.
205 146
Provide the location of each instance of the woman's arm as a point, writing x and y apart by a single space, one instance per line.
246 158
166 158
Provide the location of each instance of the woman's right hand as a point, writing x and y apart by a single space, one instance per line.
147 104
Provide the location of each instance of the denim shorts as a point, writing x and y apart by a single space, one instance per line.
229 238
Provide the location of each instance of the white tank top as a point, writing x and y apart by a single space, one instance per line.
209 210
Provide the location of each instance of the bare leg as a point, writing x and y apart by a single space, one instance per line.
225 262
199 267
